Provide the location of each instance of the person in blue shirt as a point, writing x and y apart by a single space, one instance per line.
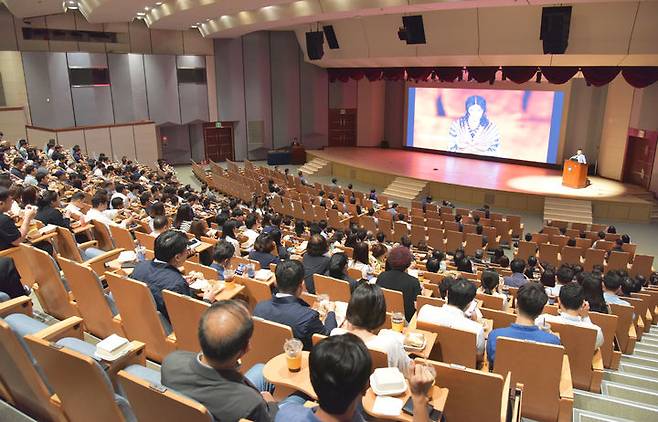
530 301
162 273
340 367
612 282
224 251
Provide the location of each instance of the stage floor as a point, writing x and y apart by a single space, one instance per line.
479 174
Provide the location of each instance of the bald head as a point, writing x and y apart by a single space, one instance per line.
224 331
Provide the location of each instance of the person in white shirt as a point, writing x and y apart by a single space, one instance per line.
120 193
228 234
30 173
461 301
250 232
361 261
97 212
574 310
73 209
366 314
579 156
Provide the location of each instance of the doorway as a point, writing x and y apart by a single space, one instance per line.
638 164
342 127
218 141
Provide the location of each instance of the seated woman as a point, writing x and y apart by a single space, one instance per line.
200 228
263 248
366 313
228 234
222 257
275 234
338 269
361 259
378 259
184 218
49 213
491 286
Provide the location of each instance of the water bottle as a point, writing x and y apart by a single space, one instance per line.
240 269
251 271
140 251
442 266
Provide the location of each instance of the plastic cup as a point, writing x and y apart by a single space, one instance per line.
293 349
397 322
228 275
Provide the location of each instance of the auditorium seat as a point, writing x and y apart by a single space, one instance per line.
185 314
640 320
610 351
544 371
491 391
424 300
153 402
266 342
418 234
454 240
237 260
145 239
338 290
139 317
642 265
209 273
102 235
67 247
379 358
571 255
526 250
501 319
394 300
452 345
585 361
256 291
491 301
593 257
95 306
548 253
49 286
435 239
473 243
626 334
122 238
80 382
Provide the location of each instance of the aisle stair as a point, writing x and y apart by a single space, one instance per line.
316 167
571 210
403 189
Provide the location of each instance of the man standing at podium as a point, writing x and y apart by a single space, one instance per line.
580 157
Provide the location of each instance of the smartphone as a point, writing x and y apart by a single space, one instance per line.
434 414
128 265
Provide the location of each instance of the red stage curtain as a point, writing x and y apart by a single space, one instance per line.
482 73
640 76
418 74
558 75
357 74
374 74
599 75
519 74
449 74
394 73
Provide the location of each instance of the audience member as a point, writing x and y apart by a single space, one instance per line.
396 278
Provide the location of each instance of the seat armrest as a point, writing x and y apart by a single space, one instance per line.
514 414
98 263
631 332
70 327
10 251
597 360
88 244
19 305
566 385
42 238
134 356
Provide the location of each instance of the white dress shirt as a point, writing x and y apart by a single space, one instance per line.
453 317
579 321
101 217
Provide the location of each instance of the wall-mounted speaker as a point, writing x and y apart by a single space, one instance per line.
330 35
314 45
412 30
554 33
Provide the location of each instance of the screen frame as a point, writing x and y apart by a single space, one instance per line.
497 85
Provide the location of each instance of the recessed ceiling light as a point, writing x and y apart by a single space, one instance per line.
147 8
141 14
158 3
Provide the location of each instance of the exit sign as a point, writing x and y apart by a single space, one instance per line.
218 124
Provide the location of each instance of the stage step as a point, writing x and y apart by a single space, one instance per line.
316 167
405 189
575 211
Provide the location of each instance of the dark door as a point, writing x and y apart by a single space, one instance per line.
342 127
218 142
638 164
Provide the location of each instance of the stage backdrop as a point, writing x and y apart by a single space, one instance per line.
515 124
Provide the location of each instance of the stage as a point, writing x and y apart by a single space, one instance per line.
470 181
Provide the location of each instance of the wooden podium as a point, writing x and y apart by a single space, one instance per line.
574 174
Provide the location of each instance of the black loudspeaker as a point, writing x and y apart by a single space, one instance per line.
555 23
412 30
330 35
314 42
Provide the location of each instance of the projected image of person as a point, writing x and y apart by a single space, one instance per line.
474 133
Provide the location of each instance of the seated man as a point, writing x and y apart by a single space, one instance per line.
518 278
574 310
160 225
461 296
612 282
287 308
162 273
212 377
340 369
530 301
396 278
221 257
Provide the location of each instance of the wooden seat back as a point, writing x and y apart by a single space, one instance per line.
394 300
571 255
593 257
80 383
237 260
642 265
368 223
501 319
491 390
50 290
454 240
548 253
336 289
608 324
185 314
122 238
584 243
90 299
146 240
23 383
625 332
156 403
540 238
102 235
435 239
526 250
209 273
580 343
256 291
473 243
266 342
618 261
605 245
630 248
139 316
452 345
540 379
424 300
640 306
66 246
491 301
417 234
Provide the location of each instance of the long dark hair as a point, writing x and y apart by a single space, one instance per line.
184 213
472 100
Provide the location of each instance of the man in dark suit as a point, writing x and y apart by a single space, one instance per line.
287 308
212 377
